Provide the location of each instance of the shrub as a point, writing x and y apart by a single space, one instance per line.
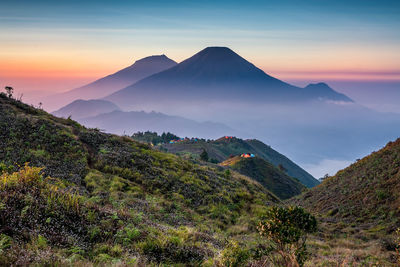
287 229
26 176
380 194
204 155
5 242
398 244
234 255
128 234
41 242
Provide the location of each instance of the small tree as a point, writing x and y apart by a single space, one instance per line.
204 155
287 229
9 91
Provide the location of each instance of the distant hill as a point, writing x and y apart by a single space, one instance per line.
119 122
366 193
107 85
215 74
92 198
85 108
274 179
222 148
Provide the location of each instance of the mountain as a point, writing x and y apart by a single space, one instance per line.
85 108
367 192
89 198
119 122
216 73
274 179
107 85
222 148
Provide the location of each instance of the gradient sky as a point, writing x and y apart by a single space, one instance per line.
58 45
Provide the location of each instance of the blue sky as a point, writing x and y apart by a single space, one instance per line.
291 39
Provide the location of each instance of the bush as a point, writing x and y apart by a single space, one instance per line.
234 255
398 244
128 235
204 155
287 229
5 243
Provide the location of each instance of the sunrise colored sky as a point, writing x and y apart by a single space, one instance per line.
58 45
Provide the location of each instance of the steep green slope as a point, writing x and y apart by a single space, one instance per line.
367 192
222 148
266 174
358 210
274 157
112 199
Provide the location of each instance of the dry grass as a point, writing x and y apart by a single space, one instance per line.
348 251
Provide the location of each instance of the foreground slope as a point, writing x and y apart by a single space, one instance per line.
367 192
358 211
222 148
111 199
268 175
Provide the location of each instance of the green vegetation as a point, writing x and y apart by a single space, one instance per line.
87 198
222 149
235 255
397 238
358 209
204 155
266 174
154 138
366 192
93 198
287 228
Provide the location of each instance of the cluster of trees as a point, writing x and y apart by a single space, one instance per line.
204 157
154 138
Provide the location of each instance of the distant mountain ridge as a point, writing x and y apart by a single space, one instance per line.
85 108
107 85
217 73
120 122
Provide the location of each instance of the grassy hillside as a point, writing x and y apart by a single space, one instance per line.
90 197
366 192
360 203
266 174
222 148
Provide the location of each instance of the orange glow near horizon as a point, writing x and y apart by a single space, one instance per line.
61 78
57 71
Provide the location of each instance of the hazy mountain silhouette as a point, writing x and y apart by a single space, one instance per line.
119 122
85 108
112 83
217 73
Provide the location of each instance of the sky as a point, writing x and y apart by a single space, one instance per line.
54 46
